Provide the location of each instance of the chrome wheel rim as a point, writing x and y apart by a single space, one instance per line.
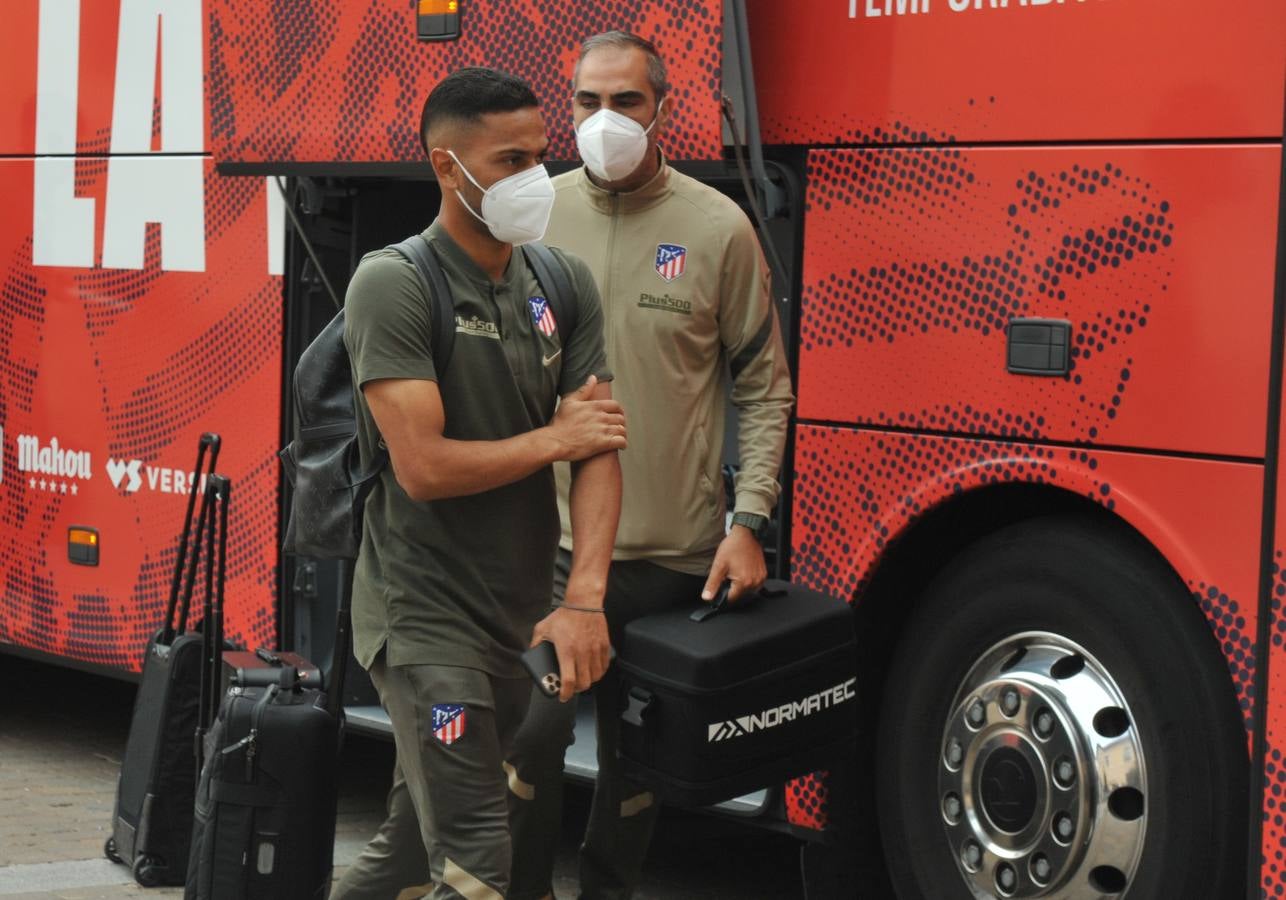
1042 780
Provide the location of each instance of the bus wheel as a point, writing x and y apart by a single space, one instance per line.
1058 721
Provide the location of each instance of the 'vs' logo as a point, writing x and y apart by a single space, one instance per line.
119 470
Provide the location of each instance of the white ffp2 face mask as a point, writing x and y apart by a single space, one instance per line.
515 209
612 145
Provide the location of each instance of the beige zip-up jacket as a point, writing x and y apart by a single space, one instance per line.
686 300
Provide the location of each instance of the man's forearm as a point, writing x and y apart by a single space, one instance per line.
448 468
761 435
595 505
762 393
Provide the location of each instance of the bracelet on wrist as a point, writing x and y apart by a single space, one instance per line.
585 609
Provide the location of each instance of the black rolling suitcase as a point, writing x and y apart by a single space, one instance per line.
264 827
153 813
722 700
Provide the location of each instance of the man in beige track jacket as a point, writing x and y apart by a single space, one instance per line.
688 325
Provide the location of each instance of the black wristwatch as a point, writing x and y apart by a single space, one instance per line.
757 524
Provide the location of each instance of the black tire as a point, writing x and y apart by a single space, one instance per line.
147 871
1104 589
109 850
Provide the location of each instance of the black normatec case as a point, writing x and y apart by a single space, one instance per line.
719 702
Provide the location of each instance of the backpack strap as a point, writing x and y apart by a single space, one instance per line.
554 281
441 304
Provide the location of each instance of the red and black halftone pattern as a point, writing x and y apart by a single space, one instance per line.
1161 259
915 261
133 365
344 80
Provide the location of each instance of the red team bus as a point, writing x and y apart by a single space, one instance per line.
1031 269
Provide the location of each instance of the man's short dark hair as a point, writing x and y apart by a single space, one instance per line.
623 40
466 95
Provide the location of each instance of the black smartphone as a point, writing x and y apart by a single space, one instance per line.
541 663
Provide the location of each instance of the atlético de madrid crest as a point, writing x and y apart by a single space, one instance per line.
542 316
448 722
671 260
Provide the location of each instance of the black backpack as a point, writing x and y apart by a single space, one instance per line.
330 484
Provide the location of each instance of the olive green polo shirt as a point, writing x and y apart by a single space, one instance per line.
462 581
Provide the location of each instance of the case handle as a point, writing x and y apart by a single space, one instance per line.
715 606
720 601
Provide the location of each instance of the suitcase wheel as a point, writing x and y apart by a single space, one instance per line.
147 870
109 850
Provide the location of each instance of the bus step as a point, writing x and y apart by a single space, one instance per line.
581 764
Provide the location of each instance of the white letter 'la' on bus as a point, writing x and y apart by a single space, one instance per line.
168 190
62 229
171 189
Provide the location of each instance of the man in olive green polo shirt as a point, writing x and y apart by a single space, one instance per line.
453 579
685 298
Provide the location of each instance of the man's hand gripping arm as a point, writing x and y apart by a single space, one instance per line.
429 466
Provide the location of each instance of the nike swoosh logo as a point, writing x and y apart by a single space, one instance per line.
546 360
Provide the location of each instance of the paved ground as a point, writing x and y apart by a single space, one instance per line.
61 738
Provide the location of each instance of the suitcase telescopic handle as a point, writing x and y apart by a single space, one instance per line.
211 442
222 487
215 517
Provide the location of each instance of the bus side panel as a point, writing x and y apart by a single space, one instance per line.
910 71
1160 258
79 98
108 375
344 81
855 491
18 68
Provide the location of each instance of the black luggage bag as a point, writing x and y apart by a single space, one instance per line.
264 827
152 817
722 700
